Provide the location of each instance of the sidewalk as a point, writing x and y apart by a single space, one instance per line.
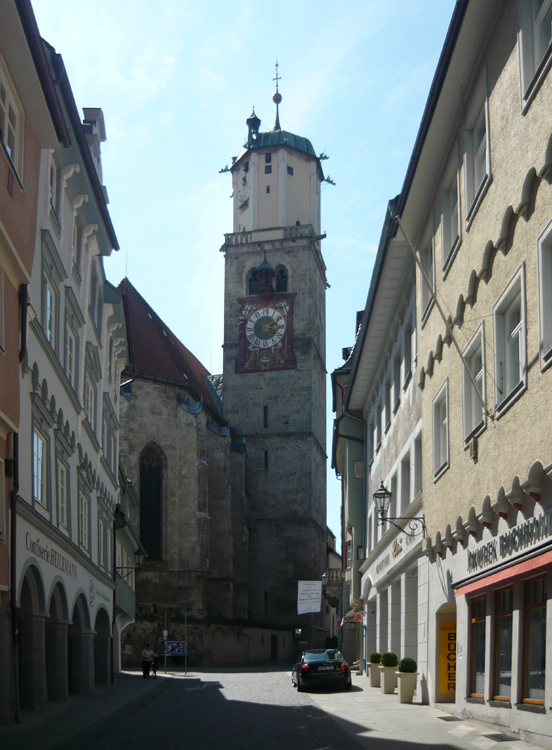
380 721
63 723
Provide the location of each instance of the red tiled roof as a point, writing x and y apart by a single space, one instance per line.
158 355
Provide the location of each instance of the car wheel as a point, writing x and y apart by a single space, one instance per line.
348 685
300 685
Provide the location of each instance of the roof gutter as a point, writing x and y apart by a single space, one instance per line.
434 94
76 123
30 28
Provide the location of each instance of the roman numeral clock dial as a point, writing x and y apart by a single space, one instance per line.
265 328
266 341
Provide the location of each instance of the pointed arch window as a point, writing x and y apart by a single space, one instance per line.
151 500
281 279
253 282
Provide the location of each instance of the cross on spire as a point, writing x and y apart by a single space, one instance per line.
277 98
277 77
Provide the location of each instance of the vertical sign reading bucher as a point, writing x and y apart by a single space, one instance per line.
447 656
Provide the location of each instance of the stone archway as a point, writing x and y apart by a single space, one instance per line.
102 649
80 662
56 645
33 692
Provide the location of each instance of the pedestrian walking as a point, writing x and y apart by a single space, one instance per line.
148 657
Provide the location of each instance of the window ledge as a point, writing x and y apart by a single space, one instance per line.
536 81
396 407
546 359
478 200
407 380
531 708
476 699
427 311
476 432
440 471
511 398
451 256
500 703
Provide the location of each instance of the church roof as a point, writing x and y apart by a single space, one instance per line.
158 354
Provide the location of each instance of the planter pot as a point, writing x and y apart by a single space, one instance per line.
406 682
374 674
388 679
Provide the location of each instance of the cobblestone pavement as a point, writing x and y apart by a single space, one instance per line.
249 708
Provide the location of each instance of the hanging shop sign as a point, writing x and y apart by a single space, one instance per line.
515 540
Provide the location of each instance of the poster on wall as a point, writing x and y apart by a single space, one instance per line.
447 657
309 596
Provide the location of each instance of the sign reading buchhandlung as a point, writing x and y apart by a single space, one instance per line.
309 597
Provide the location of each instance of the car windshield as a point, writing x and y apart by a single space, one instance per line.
322 656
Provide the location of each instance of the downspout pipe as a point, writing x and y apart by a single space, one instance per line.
13 573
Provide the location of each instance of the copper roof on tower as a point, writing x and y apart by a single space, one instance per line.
159 356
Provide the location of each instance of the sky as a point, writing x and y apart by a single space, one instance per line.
177 79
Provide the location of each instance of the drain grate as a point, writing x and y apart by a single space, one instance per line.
500 737
449 718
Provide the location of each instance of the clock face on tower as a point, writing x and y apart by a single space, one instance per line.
265 330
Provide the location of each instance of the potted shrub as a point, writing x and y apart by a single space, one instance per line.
374 662
406 679
388 665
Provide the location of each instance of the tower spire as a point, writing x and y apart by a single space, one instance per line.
277 98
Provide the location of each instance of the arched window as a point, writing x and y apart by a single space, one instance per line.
253 282
281 279
151 500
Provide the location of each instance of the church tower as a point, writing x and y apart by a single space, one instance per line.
274 382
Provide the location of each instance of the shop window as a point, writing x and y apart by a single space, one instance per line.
503 644
535 641
477 647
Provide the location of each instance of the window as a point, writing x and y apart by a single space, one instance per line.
440 432
535 21
54 188
474 412
407 354
70 364
396 382
84 521
253 282
90 399
378 427
545 295
109 434
509 322
503 644
349 554
50 311
101 545
268 158
246 168
109 548
426 261
39 468
281 280
477 153
11 125
387 404
450 214
268 169
268 189
477 647
535 641
290 171
62 493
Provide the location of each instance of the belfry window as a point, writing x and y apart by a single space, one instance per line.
281 280
253 283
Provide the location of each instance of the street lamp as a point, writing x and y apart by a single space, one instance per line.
139 557
382 498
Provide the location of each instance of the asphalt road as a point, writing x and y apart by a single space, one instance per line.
241 709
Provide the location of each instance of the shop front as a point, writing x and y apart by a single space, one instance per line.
65 614
492 635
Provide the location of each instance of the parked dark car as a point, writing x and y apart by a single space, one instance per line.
321 666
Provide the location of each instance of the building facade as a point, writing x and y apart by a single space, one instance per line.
65 544
30 120
274 364
477 208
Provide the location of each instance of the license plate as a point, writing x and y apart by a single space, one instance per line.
325 669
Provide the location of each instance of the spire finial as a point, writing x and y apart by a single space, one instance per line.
277 98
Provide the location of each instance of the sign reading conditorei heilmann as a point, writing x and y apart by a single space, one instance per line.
447 656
